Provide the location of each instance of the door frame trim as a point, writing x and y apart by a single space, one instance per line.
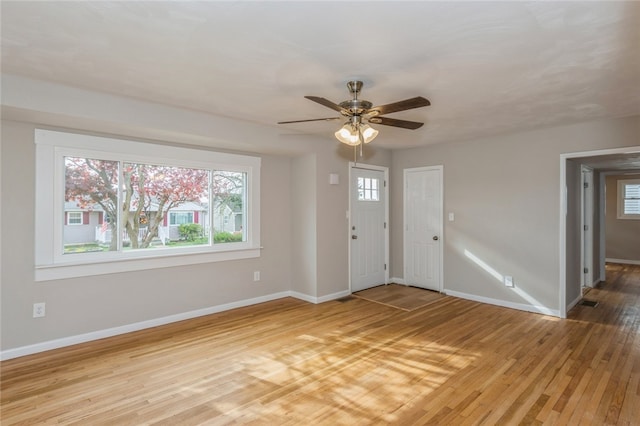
353 165
566 305
586 236
440 169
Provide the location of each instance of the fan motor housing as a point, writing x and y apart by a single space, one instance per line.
356 106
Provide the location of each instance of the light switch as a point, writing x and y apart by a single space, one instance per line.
451 217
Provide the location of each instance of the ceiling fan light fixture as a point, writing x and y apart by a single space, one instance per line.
347 134
368 133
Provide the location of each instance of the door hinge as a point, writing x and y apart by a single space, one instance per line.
385 266
586 270
586 227
586 185
385 225
385 183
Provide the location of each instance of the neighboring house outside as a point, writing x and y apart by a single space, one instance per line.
89 225
227 216
80 224
185 213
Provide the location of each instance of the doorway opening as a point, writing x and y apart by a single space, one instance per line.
572 205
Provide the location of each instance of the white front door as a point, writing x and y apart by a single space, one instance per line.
367 228
423 227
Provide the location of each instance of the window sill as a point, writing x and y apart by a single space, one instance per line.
74 270
629 217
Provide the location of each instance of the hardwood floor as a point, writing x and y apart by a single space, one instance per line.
400 296
454 362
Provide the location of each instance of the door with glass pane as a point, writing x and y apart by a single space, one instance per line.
368 229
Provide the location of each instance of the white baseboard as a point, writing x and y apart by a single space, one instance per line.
623 261
109 332
519 306
574 302
397 280
321 299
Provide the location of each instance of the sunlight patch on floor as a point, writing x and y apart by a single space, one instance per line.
397 371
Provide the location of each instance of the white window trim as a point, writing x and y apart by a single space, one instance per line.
53 146
621 214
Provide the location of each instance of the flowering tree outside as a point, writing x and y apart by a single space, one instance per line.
148 193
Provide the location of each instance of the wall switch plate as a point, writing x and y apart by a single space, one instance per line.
451 217
508 281
256 275
38 310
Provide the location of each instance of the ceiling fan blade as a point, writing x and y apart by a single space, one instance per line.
412 103
329 104
405 124
313 119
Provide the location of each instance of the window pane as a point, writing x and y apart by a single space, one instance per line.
368 189
632 191
90 185
154 202
229 206
632 206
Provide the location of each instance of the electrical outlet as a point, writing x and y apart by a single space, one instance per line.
38 310
508 281
256 275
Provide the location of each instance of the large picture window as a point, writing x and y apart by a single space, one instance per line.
124 205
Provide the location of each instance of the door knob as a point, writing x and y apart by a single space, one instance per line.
435 238
354 237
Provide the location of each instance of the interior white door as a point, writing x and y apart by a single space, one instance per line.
423 227
367 233
587 227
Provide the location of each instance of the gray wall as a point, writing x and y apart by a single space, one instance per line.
622 235
304 233
505 193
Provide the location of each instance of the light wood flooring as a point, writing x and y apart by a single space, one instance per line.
454 362
400 296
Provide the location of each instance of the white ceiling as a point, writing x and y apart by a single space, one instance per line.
487 67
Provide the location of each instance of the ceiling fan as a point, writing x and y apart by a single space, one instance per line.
358 113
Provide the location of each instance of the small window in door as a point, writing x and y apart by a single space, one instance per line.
368 189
